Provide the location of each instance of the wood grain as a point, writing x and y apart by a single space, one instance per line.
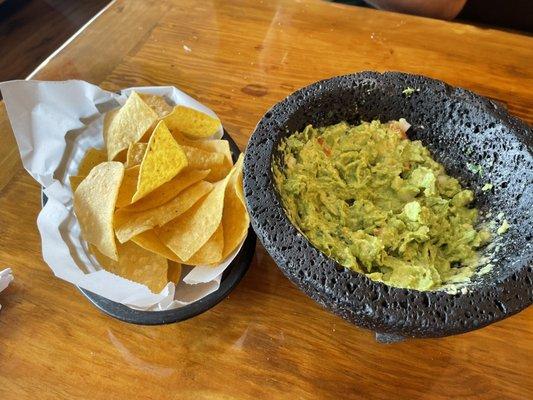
9 154
267 340
31 30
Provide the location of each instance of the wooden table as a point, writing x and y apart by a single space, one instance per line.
267 340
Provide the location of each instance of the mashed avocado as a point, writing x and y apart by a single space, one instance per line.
377 203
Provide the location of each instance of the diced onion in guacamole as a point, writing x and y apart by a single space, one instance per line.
378 203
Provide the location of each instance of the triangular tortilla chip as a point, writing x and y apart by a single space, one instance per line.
157 103
128 186
163 160
186 234
201 159
169 190
211 145
135 154
109 117
191 122
149 241
91 159
138 265
131 223
235 219
128 125
94 205
211 251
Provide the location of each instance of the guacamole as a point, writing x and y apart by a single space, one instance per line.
378 203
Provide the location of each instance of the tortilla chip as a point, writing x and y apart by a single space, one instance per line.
211 145
168 191
131 223
138 265
186 234
108 120
235 219
211 251
201 159
91 159
163 160
75 181
128 186
135 154
129 124
174 272
191 122
157 103
217 146
149 241
94 205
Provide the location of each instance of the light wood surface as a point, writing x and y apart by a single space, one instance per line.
267 340
9 155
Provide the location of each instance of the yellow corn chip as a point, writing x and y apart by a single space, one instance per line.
186 234
216 145
131 223
149 241
213 145
92 158
108 120
235 219
163 160
211 251
75 181
128 186
135 154
174 272
157 103
191 122
94 205
201 159
138 265
128 125
168 191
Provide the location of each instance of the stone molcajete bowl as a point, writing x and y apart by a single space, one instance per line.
458 127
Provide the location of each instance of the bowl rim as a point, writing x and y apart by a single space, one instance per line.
261 145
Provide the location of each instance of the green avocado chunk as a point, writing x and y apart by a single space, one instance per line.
379 204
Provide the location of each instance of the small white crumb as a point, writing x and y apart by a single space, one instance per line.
187 48
487 186
503 228
485 270
404 125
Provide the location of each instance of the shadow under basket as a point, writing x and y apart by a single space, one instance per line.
459 128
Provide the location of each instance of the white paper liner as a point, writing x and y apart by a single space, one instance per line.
54 124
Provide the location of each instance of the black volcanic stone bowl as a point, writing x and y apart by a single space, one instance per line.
459 127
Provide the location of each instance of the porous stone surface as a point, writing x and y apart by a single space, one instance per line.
459 127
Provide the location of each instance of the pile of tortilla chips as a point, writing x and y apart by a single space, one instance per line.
161 194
